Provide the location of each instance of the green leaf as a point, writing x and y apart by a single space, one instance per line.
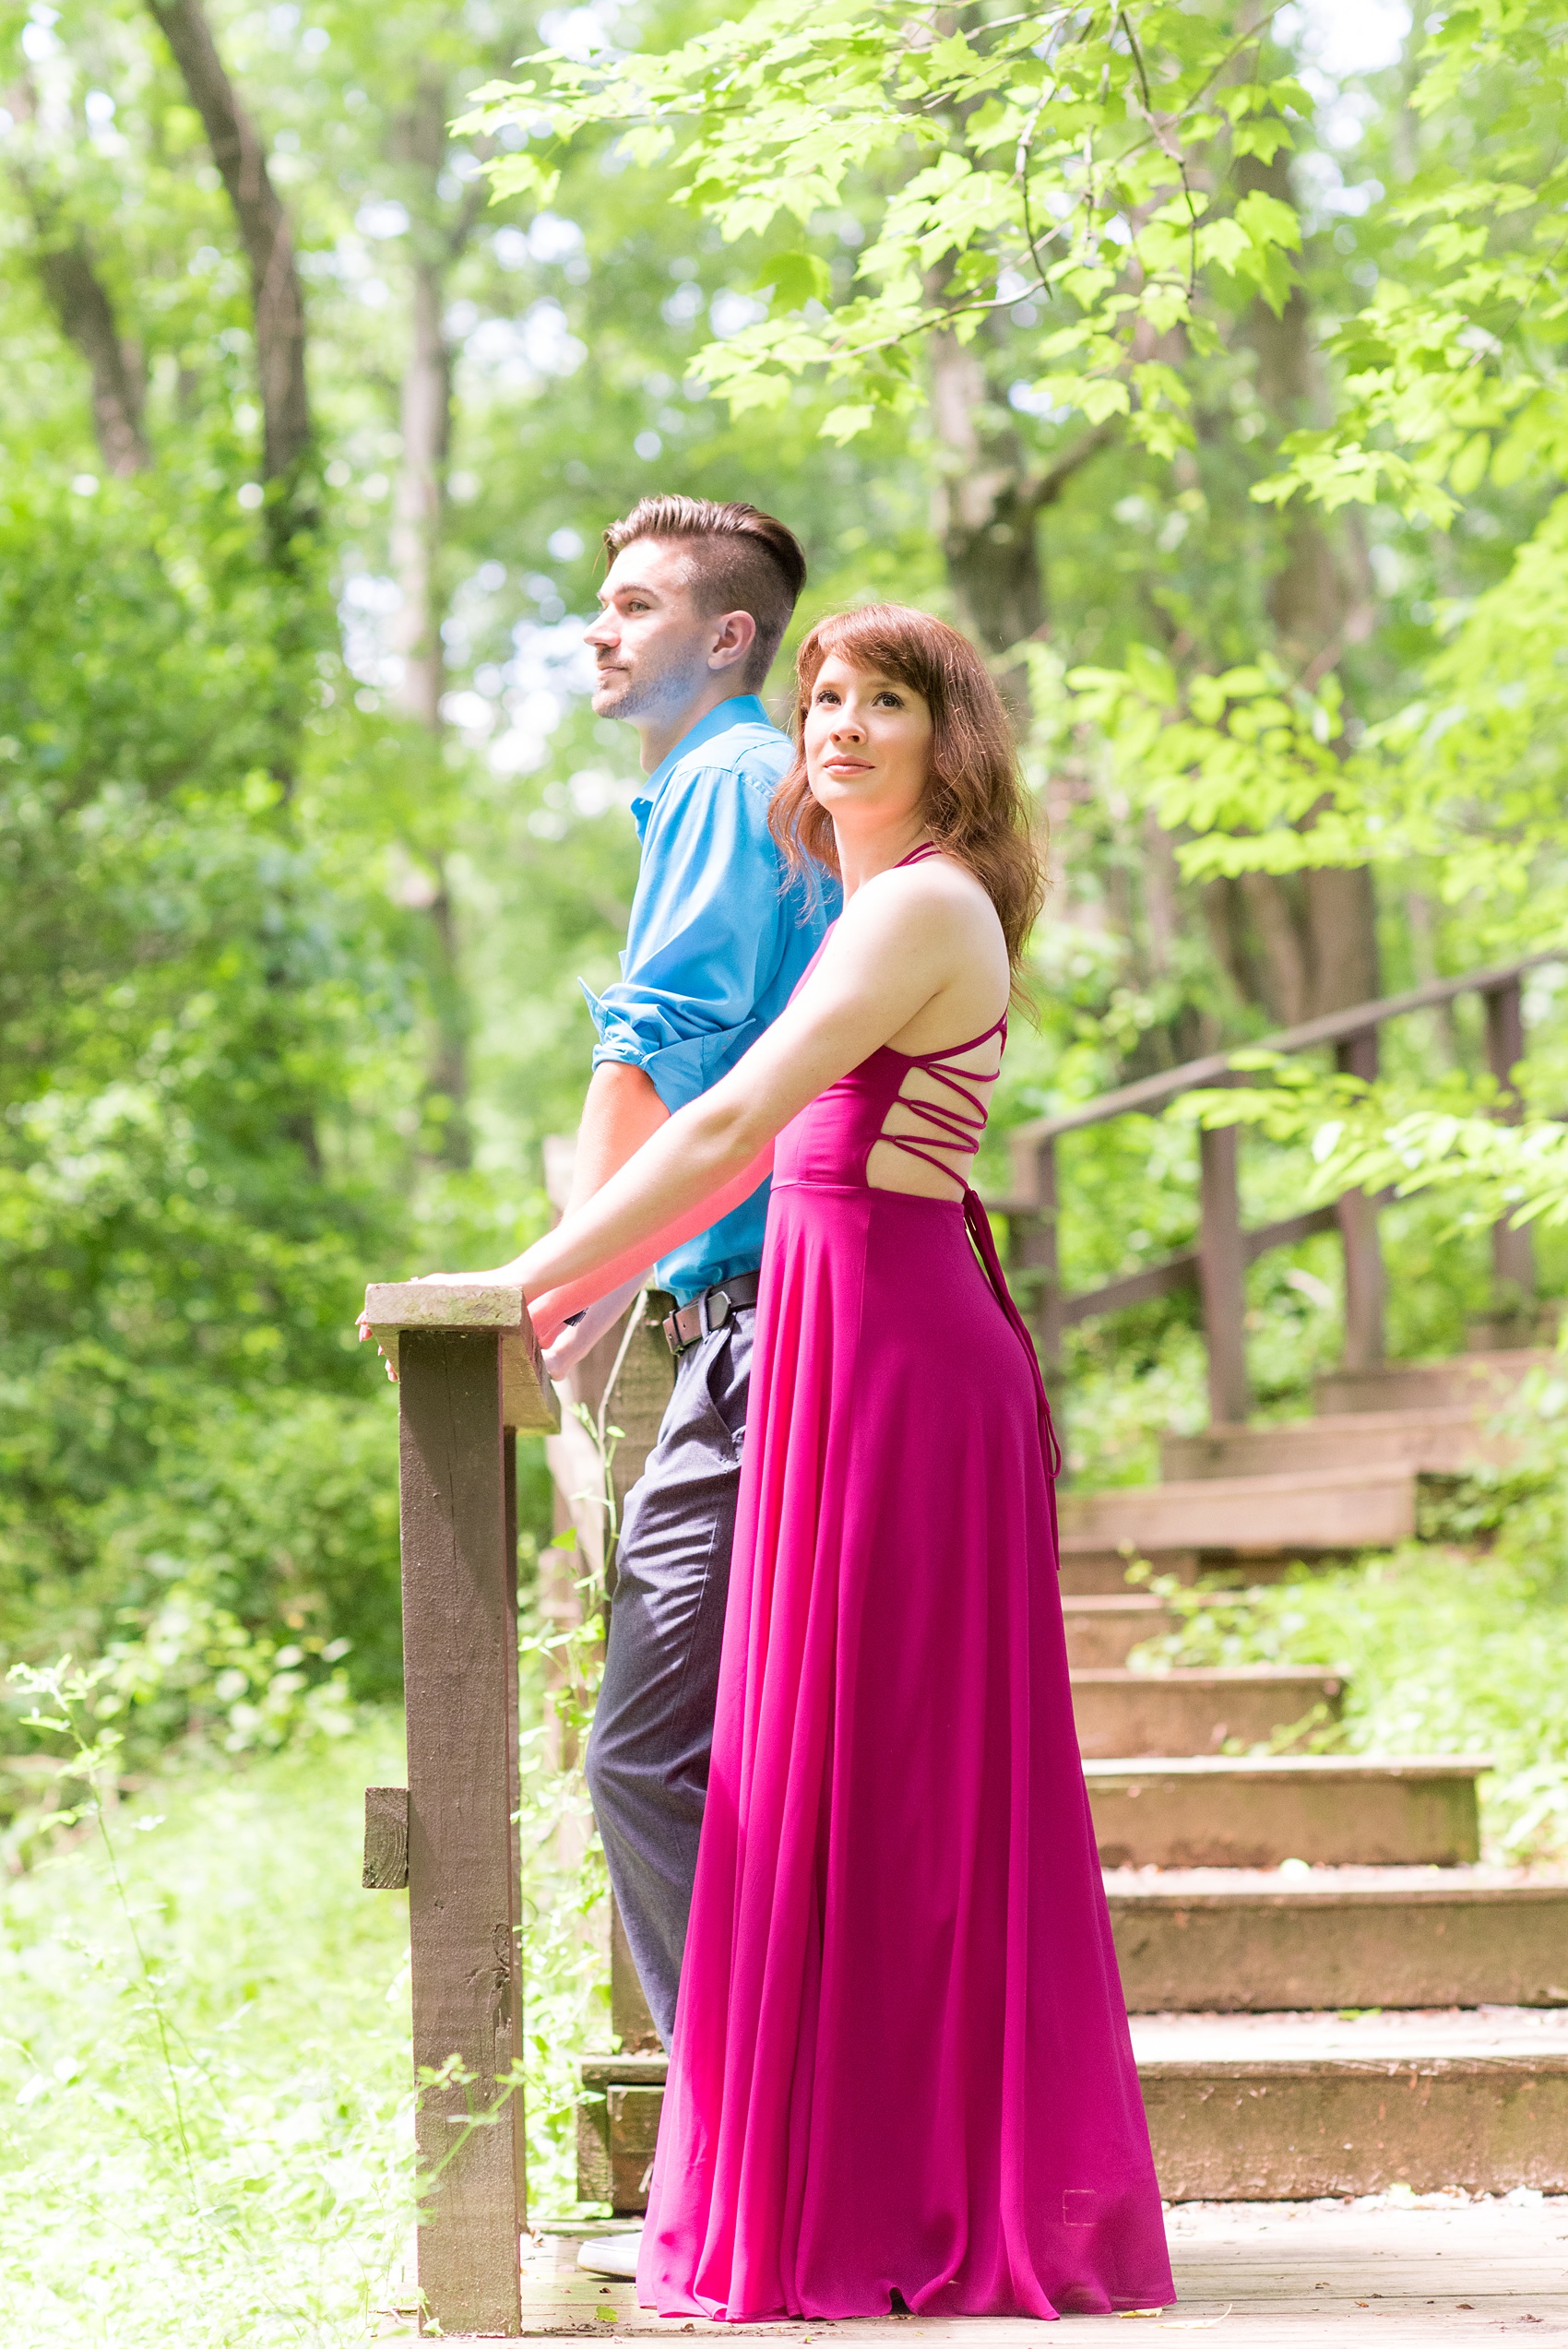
842 424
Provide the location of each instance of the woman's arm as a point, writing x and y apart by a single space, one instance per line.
551 1309
898 944
902 938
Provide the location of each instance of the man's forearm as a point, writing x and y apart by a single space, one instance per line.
622 1111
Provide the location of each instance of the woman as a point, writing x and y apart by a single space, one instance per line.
901 2065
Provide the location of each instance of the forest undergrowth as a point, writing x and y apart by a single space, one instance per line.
206 2107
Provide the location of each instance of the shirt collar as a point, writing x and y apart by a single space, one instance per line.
741 709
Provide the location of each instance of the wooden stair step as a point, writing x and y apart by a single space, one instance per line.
1480 1381
1292 2107
1121 1713
1325 1509
1096 1569
1439 1441
1249 1940
1099 1569
1103 1628
1245 2107
1334 1809
616 2136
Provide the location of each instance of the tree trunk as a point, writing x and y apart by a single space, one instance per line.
418 516
985 511
1320 603
85 315
420 498
420 507
277 296
87 318
988 503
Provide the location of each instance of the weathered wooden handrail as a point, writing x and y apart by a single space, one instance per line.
470 1377
1219 1260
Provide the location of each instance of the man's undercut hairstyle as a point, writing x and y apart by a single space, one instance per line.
739 559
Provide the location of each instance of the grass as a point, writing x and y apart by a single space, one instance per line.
253 2185
256 2188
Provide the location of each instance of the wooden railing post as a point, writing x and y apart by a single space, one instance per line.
1512 1252
469 1375
1032 1243
1222 1275
1357 1056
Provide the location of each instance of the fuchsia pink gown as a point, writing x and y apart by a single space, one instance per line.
901 2060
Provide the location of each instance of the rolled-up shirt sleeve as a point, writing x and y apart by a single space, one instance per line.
704 939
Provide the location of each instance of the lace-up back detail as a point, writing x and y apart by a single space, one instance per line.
929 1106
948 1119
828 1147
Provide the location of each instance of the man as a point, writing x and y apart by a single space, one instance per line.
696 600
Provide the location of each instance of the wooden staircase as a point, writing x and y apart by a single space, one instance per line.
1329 1993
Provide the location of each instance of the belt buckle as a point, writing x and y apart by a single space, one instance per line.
706 1321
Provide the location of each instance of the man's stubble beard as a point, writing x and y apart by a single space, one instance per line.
653 689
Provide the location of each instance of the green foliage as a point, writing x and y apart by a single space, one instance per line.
1448 413
209 2135
203 1018
1070 157
1253 769
1453 368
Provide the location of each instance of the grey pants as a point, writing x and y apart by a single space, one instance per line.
652 1735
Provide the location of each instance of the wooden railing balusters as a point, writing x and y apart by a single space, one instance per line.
1218 1262
1032 1244
1512 1252
1222 1275
1358 1056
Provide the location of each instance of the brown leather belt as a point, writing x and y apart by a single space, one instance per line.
709 1312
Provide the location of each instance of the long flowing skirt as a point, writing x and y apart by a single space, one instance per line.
901 2059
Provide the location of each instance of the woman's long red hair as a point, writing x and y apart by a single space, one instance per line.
976 807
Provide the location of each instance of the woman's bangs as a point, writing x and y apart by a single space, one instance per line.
867 641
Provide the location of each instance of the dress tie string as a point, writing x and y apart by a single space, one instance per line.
978 1223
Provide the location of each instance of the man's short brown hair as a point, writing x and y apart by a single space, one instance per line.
741 560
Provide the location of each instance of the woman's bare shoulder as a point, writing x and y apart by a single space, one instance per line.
940 886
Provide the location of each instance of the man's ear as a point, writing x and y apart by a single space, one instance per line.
734 633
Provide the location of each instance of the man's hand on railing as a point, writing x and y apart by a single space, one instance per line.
581 1332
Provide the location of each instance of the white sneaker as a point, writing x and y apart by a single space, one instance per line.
611 2255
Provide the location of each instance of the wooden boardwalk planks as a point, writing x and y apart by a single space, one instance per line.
1391 2270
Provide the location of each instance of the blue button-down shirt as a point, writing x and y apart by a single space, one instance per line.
717 943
